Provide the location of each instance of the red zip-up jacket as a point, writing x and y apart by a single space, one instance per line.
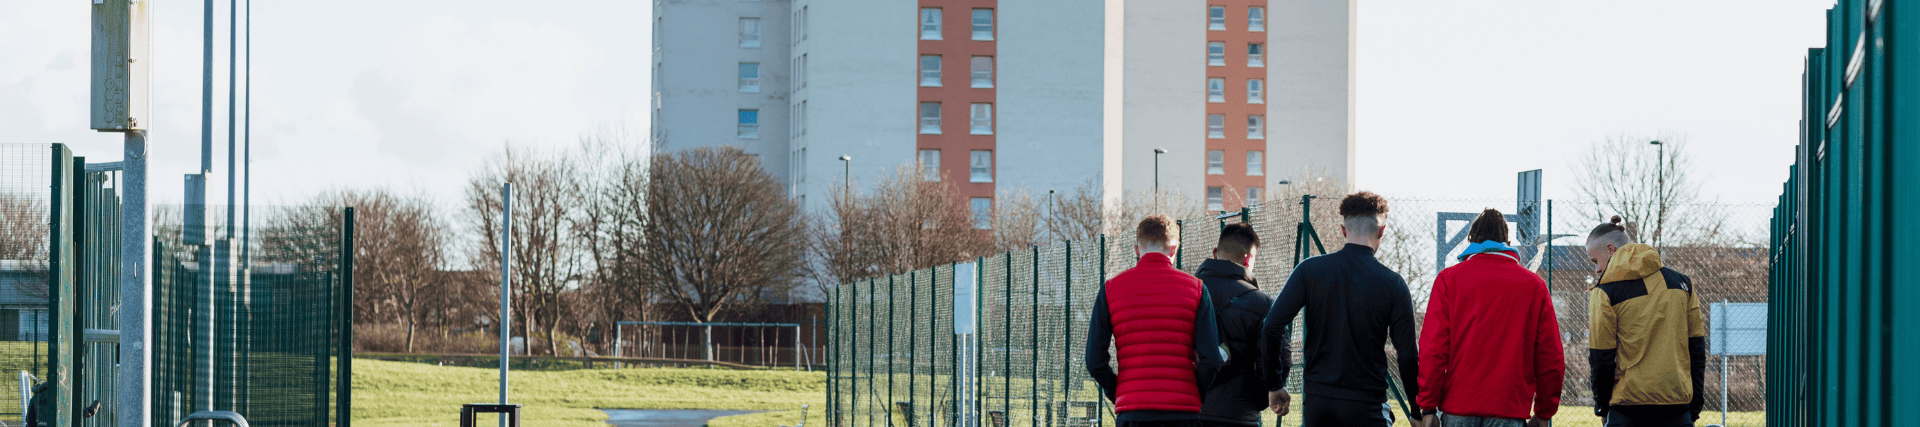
1491 345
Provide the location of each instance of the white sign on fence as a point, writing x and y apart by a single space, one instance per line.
965 282
1738 329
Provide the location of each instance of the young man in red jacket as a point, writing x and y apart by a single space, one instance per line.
1490 350
1161 322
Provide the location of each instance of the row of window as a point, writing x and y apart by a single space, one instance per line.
1217 54
1217 126
1215 196
980 121
979 165
1217 90
981 76
1217 18
1256 162
930 26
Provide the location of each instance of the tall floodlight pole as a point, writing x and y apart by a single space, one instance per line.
196 220
1156 169
506 292
1660 193
119 103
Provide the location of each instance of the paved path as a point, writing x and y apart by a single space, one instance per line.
665 417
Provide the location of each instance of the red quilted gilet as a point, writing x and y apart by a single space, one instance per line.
1153 306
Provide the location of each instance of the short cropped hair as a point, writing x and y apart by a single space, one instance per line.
1237 239
1363 203
1491 225
1613 232
1362 212
1157 230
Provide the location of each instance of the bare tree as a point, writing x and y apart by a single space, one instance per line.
1625 176
547 250
907 223
1080 213
1017 221
1138 205
612 177
23 239
398 251
725 231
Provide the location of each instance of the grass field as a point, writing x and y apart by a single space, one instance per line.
414 394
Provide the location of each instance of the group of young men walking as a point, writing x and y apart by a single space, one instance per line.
1210 348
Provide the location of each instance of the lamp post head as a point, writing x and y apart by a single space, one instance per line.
1285 182
1159 151
1655 142
846 158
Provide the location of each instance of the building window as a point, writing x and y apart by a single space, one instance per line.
1255 56
1213 199
930 23
750 77
930 165
1216 126
980 166
803 117
1256 163
1216 90
930 70
749 32
749 124
1216 18
1216 54
983 24
1254 195
981 119
1216 162
983 71
1256 18
802 71
1256 91
982 213
1256 126
803 23
930 118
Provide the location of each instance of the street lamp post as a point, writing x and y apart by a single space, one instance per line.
1660 193
846 175
1156 168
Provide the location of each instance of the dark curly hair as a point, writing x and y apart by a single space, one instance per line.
1363 203
1491 225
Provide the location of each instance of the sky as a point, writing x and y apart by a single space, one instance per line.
1453 97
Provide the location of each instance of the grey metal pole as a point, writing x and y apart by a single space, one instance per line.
618 333
136 290
706 341
506 291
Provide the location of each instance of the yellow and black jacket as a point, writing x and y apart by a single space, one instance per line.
1647 337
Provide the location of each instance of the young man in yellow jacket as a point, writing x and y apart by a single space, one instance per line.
1647 337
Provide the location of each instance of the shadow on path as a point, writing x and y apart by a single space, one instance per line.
665 417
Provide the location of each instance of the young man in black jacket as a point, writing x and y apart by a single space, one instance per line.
1354 305
1238 394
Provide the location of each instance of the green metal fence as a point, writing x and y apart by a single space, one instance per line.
1844 243
900 353
281 337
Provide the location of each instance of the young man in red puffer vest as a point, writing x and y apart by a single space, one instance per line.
1161 322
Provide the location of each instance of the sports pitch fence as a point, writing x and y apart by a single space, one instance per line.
1002 346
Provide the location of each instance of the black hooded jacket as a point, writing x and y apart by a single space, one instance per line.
1238 393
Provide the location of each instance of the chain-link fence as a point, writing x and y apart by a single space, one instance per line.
914 350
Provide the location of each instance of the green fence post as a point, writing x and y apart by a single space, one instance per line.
887 405
913 338
1178 251
1066 353
1033 382
1006 345
1550 251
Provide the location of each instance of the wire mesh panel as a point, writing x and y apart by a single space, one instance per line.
278 333
25 211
